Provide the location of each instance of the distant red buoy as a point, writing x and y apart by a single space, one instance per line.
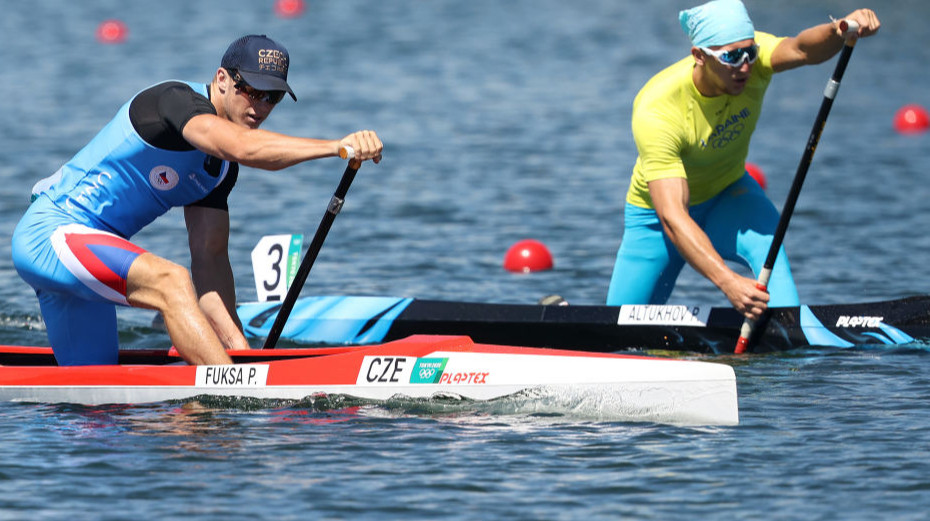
289 8
757 174
911 119
528 255
112 31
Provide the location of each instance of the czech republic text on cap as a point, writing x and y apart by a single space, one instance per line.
261 61
719 22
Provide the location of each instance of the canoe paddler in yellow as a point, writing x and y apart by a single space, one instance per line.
690 198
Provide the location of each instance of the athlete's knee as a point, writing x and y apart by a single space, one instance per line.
176 277
175 281
159 283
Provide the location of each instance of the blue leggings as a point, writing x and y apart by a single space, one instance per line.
739 221
79 275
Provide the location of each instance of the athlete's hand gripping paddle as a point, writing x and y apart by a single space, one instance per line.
335 205
850 29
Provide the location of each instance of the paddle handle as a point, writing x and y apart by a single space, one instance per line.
850 29
346 152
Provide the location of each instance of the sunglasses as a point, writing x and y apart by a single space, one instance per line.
735 57
271 96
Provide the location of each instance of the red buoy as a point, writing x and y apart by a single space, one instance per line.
757 174
911 119
289 8
112 31
528 255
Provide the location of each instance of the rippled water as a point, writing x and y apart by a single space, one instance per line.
502 120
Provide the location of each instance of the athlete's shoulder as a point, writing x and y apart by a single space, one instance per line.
668 85
767 44
159 113
174 93
767 40
170 87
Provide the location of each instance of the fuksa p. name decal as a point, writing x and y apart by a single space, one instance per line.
248 375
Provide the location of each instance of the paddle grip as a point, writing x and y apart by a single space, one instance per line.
346 152
849 27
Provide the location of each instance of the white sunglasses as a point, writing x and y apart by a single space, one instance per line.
735 57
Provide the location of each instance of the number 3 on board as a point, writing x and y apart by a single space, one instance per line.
274 264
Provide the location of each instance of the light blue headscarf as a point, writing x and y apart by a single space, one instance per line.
719 22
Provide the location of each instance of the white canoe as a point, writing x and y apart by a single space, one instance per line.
612 386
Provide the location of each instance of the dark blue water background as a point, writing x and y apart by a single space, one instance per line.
502 121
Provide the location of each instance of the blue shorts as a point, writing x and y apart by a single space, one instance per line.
79 274
740 222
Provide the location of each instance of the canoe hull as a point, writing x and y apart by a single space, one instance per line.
365 320
422 367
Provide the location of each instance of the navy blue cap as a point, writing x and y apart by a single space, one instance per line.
261 61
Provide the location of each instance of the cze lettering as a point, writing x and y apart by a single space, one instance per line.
272 60
90 190
464 378
385 369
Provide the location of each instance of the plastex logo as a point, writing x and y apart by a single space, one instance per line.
428 370
163 177
858 321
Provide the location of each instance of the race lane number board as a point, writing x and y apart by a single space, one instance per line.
275 260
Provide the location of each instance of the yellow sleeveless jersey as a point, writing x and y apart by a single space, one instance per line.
681 133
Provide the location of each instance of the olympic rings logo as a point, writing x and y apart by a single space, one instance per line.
726 137
427 373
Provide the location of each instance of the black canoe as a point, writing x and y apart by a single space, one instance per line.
343 320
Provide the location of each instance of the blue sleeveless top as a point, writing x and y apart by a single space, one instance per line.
120 183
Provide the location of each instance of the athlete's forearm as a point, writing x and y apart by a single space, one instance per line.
819 43
272 151
211 271
670 198
254 147
216 293
811 46
226 325
216 277
696 249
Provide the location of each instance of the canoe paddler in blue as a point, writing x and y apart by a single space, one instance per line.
690 198
173 144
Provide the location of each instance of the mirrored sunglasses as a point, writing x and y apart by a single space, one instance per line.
735 57
271 96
